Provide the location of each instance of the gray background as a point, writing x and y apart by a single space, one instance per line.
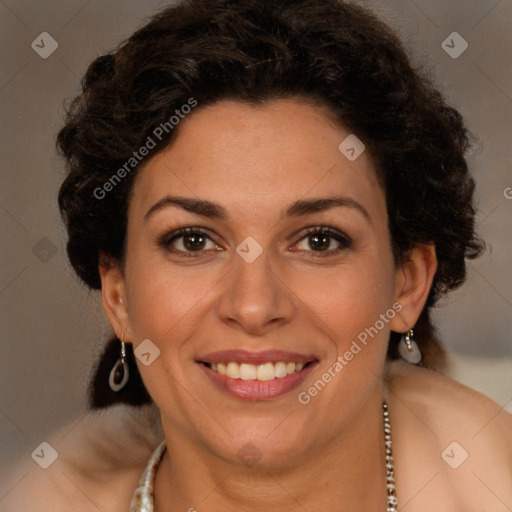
53 328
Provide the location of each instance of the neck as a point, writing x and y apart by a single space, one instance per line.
347 474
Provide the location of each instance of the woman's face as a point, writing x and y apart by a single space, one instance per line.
286 261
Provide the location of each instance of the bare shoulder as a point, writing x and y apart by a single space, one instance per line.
99 460
454 445
448 403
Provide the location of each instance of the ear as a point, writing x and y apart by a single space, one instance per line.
113 295
413 281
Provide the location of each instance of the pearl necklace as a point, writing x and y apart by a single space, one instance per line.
142 500
390 468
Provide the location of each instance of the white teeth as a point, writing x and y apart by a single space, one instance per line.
262 372
280 369
266 372
247 371
233 370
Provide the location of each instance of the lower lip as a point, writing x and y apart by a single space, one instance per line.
255 390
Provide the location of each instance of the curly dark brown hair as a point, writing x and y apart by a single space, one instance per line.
328 52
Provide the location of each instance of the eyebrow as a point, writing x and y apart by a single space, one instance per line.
299 208
198 206
308 206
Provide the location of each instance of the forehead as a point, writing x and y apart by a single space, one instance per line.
242 155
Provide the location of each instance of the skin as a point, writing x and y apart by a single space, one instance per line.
255 162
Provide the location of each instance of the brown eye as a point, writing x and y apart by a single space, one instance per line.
319 242
323 241
194 242
187 241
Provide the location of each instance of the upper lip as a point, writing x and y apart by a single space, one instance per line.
245 356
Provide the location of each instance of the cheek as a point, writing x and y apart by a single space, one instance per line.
167 306
162 298
351 298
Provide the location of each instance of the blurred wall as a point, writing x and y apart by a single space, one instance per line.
53 328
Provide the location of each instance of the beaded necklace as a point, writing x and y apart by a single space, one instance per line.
142 500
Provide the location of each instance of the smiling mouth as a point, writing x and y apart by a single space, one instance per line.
261 372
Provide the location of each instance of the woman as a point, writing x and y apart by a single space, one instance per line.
271 200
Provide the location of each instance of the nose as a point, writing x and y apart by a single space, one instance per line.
255 298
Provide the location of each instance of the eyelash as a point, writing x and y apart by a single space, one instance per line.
165 242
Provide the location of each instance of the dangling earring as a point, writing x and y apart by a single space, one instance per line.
119 374
408 348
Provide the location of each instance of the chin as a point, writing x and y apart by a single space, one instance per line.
265 446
